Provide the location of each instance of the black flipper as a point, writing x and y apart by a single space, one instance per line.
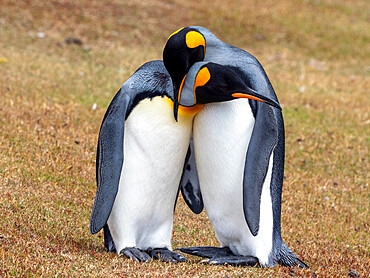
109 160
165 255
261 145
189 183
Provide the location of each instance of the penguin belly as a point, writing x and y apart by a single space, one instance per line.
155 147
222 132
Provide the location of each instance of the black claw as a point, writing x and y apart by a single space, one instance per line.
143 257
129 255
165 255
301 264
180 258
135 254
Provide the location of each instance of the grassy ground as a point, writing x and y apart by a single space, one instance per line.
316 54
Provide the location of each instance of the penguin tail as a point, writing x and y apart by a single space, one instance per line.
108 240
286 257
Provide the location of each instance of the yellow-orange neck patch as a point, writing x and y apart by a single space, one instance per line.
187 111
190 111
194 39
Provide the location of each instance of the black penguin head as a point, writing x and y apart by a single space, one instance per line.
184 47
216 83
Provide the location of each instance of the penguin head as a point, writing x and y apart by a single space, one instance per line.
209 82
184 47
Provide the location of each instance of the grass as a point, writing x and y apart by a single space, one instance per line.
316 54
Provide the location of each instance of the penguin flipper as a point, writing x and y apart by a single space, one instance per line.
109 160
262 143
189 183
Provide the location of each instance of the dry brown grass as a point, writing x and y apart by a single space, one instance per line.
317 56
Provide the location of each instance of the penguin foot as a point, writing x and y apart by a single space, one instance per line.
165 255
219 256
207 251
135 254
233 260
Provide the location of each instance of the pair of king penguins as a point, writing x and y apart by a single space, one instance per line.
233 165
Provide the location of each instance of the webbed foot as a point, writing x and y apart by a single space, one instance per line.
163 254
207 251
219 255
135 254
233 260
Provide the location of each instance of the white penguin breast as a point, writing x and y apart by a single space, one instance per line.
154 151
222 134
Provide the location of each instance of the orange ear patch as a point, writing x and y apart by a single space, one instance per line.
202 77
194 39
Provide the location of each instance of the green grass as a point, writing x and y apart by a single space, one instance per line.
316 54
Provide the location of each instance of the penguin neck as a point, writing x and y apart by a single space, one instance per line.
190 111
213 45
187 111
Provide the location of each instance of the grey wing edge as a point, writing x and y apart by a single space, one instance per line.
109 160
262 143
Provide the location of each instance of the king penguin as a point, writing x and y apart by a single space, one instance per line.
140 159
144 157
239 150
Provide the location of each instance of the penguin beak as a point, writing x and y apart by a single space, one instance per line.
251 94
